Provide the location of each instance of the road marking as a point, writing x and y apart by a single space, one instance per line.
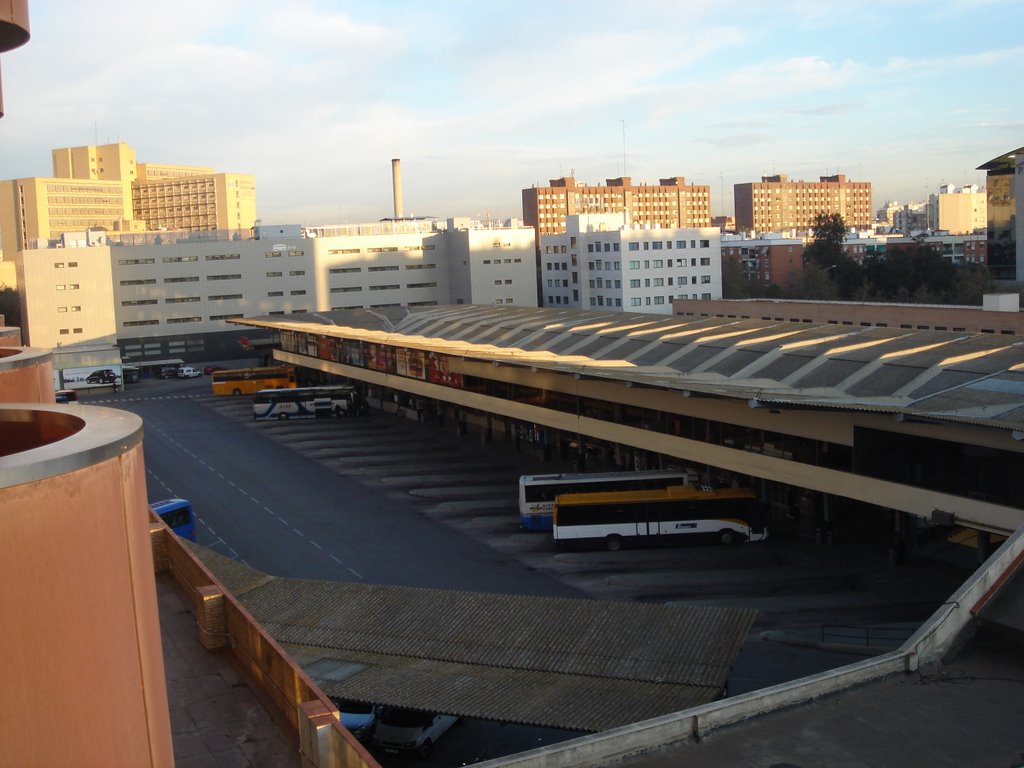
356 574
335 559
268 509
315 544
298 532
283 521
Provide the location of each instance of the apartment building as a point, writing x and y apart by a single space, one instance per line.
601 261
771 259
171 294
669 204
104 187
958 210
775 203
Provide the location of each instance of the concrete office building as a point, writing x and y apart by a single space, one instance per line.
958 210
1004 183
670 203
104 188
775 203
170 297
603 262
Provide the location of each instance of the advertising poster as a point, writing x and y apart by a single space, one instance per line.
91 376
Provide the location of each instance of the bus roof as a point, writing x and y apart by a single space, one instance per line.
624 474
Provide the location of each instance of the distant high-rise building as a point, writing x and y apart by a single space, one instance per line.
670 203
957 210
775 203
766 261
102 187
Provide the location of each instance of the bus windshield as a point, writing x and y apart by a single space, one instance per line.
537 492
178 515
246 381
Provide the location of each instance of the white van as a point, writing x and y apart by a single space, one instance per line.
409 730
186 372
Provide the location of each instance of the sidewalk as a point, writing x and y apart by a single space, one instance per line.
216 720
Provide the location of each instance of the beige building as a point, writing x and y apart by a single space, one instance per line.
958 210
670 204
104 187
775 203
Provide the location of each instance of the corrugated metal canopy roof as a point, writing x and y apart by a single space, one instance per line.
578 664
895 370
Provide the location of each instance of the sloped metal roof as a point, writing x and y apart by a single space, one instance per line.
577 664
894 370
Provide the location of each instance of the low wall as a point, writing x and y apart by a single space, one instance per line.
933 641
225 625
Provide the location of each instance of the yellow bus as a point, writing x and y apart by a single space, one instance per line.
246 381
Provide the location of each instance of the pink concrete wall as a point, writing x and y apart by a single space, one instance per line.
29 383
83 680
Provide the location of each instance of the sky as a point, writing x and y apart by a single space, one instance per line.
482 99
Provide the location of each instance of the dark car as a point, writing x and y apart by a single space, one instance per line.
104 376
168 372
211 368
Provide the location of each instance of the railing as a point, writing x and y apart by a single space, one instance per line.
224 624
866 636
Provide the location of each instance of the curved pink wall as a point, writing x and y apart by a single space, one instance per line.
83 681
26 375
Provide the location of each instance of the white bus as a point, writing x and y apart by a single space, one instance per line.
537 492
307 403
680 512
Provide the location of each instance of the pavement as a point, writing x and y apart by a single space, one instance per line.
216 720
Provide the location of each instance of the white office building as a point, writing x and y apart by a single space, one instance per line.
170 295
601 262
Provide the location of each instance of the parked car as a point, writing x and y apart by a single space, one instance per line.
188 372
211 368
168 372
102 376
409 730
65 396
358 717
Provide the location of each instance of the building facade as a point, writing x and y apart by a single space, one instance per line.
172 295
103 187
775 203
602 262
958 210
767 260
1004 183
669 204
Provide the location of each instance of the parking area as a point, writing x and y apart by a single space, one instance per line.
460 481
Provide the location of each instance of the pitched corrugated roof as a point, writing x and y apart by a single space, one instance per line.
557 662
806 364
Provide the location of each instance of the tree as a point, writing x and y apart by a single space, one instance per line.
734 279
10 306
826 247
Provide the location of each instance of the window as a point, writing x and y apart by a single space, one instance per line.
298 293
132 262
181 300
705 243
184 320
297 273
418 266
705 261
222 256
347 289
345 270
274 293
223 277
384 287
430 285
225 296
680 243
272 255
635 301
177 259
382 269
193 279
659 282
342 250
149 281
634 246
133 323
656 245
228 317
659 299
658 263
634 265
136 303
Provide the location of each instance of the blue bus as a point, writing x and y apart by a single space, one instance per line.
178 515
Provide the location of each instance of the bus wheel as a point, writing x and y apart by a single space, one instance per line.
726 537
236 391
614 543
282 416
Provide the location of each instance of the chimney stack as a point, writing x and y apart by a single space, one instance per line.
396 184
